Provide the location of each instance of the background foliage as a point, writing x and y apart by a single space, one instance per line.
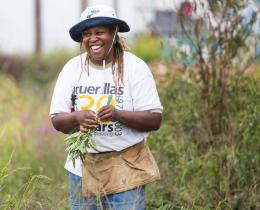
195 174
199 171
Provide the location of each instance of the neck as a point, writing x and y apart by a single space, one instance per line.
108 59
100 62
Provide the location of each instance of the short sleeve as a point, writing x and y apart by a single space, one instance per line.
143 89
61 98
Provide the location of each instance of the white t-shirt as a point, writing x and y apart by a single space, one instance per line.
137 93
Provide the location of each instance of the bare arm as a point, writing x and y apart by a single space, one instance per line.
65 122
140 120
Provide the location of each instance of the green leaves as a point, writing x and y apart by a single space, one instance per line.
78 143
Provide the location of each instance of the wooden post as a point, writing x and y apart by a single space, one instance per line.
83 5
116 7
38 31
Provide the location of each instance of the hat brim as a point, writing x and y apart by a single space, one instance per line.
76 30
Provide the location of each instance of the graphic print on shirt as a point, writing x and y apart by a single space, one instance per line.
93 98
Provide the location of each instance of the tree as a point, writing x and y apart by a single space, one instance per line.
224 41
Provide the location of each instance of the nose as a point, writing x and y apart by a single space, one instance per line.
92 39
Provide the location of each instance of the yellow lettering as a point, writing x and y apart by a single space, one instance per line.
90 100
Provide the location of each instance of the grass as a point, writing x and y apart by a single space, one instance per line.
32 152
195 174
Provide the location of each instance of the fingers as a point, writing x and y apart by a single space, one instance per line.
106 113
90 120
81 128
87 120
90 113
106 117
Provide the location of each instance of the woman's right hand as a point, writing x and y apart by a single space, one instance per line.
87 119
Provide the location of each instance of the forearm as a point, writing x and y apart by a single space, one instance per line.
142 120
65 122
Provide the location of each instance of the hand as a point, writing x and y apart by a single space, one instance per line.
107 113
87 119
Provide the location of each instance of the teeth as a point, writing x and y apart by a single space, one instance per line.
95 47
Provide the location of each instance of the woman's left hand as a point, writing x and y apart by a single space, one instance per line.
140 120
107 113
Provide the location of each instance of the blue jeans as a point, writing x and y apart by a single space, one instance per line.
129 200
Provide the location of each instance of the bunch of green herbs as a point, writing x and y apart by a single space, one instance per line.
78 143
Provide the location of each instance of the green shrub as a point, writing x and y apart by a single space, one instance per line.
196 175
147 47
43 69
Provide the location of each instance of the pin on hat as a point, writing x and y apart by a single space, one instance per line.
98 15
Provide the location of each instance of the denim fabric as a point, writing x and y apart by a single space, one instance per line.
129 200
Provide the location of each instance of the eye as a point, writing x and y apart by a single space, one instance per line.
100 32
86 34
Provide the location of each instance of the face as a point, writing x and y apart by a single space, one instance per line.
97 41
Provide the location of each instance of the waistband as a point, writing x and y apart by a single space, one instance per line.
108 154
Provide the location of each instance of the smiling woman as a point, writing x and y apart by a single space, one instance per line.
114 94
98 43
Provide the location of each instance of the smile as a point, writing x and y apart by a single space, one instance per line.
96 48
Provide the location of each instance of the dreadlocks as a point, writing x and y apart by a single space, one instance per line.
118 61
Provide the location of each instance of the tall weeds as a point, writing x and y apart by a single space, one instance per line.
196 174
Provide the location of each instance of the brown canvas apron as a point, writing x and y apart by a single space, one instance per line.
114 172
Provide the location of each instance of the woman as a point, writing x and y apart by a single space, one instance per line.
113 92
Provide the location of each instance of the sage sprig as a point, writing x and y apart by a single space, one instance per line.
78 143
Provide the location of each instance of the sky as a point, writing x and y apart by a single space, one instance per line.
17 22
